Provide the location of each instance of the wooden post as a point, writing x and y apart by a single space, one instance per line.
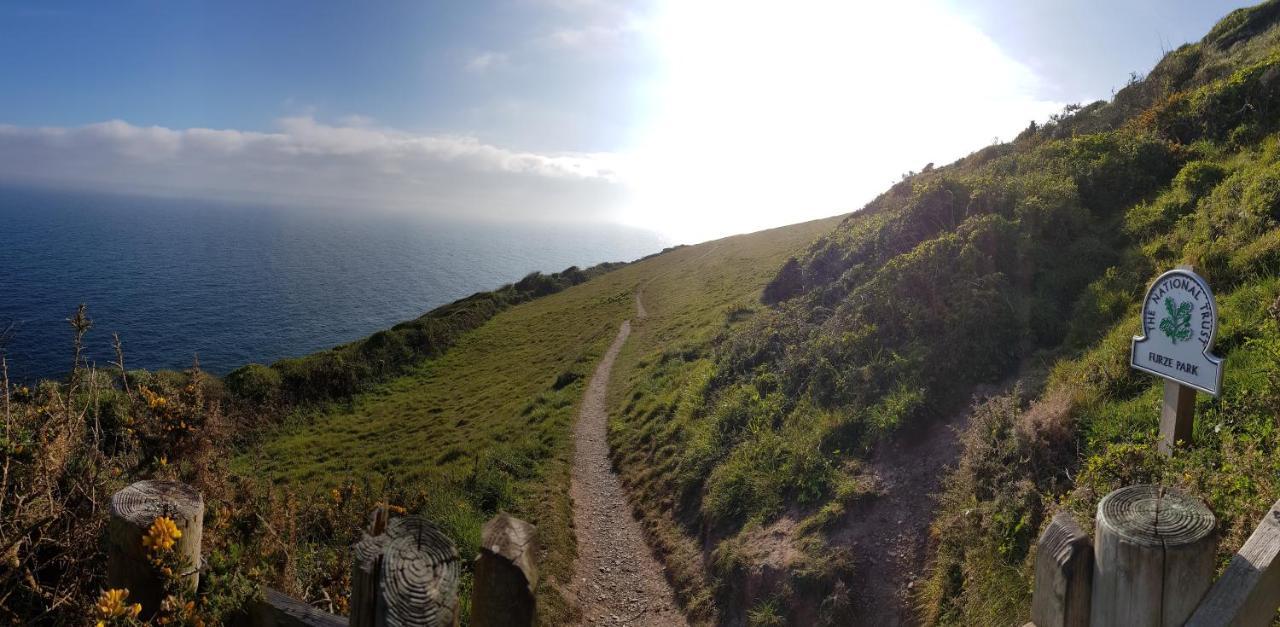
366 570
1248 592
407 575
133 510
1064 572
506 575
1177 416
1154 557
280 610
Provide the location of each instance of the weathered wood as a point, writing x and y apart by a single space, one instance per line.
1177 416
420 570
276 609
366 570
506 575
1248 592
133 510
1064 572
405 575
1154 557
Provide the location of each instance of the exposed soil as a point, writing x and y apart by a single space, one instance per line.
616 579
889 534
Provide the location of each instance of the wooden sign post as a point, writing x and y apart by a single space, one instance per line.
1179 322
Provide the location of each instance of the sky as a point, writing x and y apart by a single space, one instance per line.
692 118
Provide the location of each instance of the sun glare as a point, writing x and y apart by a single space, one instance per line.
785 112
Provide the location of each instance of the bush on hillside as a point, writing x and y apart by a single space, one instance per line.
255 383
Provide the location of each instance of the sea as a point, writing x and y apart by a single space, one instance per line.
230 283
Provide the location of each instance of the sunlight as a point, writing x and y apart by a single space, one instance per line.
768 114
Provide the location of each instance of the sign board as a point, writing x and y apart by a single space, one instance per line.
1179 322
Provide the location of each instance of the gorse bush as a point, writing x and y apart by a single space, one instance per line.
256 383
65 446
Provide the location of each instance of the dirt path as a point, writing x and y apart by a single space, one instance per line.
889 534
616 579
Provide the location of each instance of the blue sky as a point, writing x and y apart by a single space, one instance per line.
420 66
692 118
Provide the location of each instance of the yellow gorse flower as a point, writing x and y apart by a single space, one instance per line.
394 509
153 400
162 534
111 604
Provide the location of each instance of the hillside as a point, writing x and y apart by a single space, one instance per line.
455 415
487 425
1007 282
864 419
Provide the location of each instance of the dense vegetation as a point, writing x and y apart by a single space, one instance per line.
1023 262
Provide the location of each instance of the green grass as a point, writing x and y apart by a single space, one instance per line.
662 371
487 425
482 428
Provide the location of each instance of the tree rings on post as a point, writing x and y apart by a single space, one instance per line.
420 571
1151 515
1153 557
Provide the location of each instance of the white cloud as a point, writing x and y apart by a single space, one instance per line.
595 23
486 61
594 35
354 165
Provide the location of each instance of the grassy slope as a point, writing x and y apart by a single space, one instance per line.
690 306
1023 258
487 425
1093 427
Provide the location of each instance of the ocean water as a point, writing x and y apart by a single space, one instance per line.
236 284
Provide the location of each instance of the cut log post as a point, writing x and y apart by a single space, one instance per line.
133 511
407 575
1064 572
1154 557
506 575
1248 592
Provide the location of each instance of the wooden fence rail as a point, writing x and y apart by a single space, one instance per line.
405 571
1151 562
1248 591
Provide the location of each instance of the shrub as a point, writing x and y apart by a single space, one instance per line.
256 383
787 283
1198 178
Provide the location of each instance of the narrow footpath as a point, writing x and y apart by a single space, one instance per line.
616 579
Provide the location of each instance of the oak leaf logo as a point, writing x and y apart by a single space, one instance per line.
1178 324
